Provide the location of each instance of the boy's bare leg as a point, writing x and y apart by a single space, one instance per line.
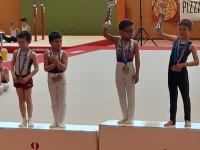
29 104
22 107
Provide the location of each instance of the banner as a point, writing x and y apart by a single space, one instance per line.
172 10
190 9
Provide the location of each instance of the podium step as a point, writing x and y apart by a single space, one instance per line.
145 135
74 137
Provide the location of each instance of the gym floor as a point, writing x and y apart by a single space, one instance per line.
91 92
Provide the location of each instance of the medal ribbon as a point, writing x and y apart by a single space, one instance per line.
125 56
177 54
56 68
24 62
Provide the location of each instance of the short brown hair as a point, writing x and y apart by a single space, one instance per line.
25 34
13 22
23 19
186 22
54 35
124 23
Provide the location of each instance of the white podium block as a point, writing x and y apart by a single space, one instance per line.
145 135
74 137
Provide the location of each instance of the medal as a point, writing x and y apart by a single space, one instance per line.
56 69
125 55
54 78
178 52
125 69
59 77
19 78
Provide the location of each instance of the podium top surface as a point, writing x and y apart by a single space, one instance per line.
149 124
44 126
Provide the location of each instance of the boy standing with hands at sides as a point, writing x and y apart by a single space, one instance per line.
55 63
177 69
21 64
126 76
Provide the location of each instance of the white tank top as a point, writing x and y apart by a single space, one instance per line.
25 28
13 32
28 63
61 53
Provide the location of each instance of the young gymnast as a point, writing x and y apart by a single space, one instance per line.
21 64
177 69
55 63
25 26
126 74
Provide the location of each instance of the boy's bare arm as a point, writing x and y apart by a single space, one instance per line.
36 66
12 66
179 66
29 28
18 30
165 36
195 57
47 67
6 74
13 63
63 64
137 57
109 36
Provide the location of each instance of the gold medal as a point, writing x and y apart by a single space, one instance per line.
59 77
125 69
54 78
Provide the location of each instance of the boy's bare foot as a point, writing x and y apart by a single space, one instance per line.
187 123
121 121
169 123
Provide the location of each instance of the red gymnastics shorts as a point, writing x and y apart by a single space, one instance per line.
27 85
